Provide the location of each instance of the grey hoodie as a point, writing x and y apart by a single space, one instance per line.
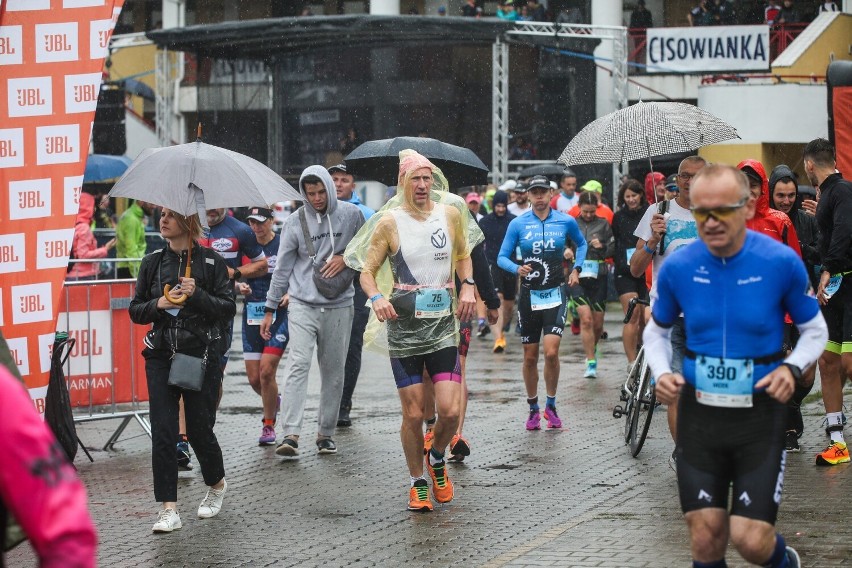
293 268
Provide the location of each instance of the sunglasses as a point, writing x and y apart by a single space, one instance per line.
721 213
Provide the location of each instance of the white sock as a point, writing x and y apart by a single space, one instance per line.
835 419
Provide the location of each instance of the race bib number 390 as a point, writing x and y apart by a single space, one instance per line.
432 303
725 383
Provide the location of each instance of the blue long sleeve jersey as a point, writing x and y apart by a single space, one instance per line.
542 244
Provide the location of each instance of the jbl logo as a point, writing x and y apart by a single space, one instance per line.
103 38
30 200
7 149
86 342
85 93
58 145
55 249
8 254
6 47
30 97
16 358
31 303
56 43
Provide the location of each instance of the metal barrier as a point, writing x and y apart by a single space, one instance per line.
105 370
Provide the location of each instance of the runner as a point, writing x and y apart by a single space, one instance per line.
494 227
834 219
590 294
262 356
541 235
413 308
736 378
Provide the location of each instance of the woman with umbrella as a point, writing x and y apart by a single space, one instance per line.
188 313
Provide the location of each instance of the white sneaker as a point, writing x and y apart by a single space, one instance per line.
167 521
212 502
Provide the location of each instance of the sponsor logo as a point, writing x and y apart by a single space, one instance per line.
11 46
222 245
439 238
45 351
20 353
702 270
99 33
11 147
746 500
92 342
53 248
56 42
29 199
81 92
73 188
701 280
32 303
749 280
12 253
57 144
779 483
32 96
704 496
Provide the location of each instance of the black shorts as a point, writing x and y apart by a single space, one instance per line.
626 283
720 446
505 283
591 292
442 365
465 329
838 317
534 323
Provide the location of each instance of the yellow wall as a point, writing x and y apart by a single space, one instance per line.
131 61
834 41
770 155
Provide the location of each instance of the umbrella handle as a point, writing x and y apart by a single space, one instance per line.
177 301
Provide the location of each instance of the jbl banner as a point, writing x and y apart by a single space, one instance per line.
51 58
710 48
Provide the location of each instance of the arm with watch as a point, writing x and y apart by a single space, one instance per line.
467 294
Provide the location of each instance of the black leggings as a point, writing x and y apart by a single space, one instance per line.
200 410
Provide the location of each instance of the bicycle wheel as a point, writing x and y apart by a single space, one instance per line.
645 403
630 403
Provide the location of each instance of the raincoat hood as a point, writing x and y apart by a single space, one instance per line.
330 190
762 205
87 208
779 173
651 181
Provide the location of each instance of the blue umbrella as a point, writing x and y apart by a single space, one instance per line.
104 167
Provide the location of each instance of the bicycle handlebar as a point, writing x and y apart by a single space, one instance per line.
632 306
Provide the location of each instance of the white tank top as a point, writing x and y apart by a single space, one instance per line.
425 248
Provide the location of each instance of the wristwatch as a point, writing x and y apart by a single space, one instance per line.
579 269
469 281
268 310
237 274
795 371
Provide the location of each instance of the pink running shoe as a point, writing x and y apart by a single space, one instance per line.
267 436
534 421
553 420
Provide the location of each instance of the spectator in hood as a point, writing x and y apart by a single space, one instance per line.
655 183
770 222
641 17
84 245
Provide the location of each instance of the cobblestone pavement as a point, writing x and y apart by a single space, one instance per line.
549 498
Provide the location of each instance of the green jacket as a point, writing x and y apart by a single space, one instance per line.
130 237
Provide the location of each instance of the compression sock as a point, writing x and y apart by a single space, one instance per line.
551 401
718 564
533 402
269 422
835 419
416 479
435 457
779 555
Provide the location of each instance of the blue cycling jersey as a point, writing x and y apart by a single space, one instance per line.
232 238
542 244
260 285
734 307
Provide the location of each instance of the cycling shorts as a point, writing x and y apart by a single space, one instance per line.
442 365
505 283
718 447
591 292
838 316
625 283
465 329
535 323
254 345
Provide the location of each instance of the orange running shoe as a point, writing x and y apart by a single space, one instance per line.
835 453
418 497
442 487
428 438
500 345
459 448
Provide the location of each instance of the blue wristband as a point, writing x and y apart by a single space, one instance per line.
376 297
648 249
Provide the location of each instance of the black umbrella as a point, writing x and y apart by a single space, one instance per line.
546 170
379 160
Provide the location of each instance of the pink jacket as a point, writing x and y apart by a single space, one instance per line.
85 245
38 485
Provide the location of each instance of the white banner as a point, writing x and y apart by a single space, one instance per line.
711 48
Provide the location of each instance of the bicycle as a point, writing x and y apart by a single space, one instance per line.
637 394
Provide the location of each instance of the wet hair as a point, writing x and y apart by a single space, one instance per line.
714 171
587 198
635 186
820 151
568 174
691 160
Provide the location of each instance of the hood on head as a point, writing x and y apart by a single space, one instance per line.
778 173
87 208
762 205
330 190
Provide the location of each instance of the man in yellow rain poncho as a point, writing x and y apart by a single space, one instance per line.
407 254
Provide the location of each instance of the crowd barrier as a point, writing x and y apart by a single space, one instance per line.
105 371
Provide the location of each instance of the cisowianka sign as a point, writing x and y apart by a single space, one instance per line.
712 48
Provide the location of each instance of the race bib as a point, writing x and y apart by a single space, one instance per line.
254 312
589 269
173 311
726 383
545 299
629 252
432 303
833 285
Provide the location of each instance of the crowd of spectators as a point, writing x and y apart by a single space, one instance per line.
749 12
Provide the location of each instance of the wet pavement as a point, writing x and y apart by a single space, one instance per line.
573 497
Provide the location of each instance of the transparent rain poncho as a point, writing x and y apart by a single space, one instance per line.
412 253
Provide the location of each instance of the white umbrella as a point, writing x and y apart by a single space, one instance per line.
645 130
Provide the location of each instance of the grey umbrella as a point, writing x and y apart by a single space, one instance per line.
645 130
